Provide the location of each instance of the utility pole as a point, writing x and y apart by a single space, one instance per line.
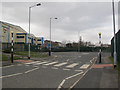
115 53
79 43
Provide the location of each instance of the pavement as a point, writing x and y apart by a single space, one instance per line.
100 76
62 70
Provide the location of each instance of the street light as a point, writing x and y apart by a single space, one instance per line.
115 53
50 36
29 25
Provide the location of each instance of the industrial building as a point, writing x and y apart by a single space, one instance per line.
20 36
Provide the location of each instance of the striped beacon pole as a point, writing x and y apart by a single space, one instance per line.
12 47
100 48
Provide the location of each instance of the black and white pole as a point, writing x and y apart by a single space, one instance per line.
100 48
12 47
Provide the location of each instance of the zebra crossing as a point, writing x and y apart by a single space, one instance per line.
55 65
72 65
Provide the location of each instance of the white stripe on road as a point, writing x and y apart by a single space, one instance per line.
8 66
83 74
61 64
72 65
85 53
66 69
79 70
50 63
10 75
61 84
19 64
40 63
30 63
85 66
31 70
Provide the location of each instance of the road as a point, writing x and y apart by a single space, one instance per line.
62 71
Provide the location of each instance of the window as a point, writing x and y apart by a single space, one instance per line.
39 40
20 36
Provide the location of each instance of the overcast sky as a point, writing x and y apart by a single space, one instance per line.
74 19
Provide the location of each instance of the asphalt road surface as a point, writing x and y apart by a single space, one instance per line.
62 71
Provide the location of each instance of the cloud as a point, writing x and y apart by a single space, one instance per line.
73 17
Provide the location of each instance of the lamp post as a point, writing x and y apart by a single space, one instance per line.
29 25
115 53
50 36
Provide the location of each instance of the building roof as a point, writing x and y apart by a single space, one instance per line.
14 26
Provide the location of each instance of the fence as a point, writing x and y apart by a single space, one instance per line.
117 45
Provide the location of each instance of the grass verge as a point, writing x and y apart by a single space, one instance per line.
8 57
33 54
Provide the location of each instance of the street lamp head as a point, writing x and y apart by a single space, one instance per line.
38 4
56 18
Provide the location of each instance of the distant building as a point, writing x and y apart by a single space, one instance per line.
20 36
53 44
69 45
40 41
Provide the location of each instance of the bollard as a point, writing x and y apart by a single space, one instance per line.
100 56
12 47
49 53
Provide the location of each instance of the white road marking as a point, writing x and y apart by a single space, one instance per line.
31 70
8 66
35 66
19 64
40 63
61 64
79 70
85 53
72 65
10 75
56 56
82 75
85 66
30 63
67 69
54 68
61 84
67 60
50 63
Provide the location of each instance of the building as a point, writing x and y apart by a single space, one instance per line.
40 41
20 36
